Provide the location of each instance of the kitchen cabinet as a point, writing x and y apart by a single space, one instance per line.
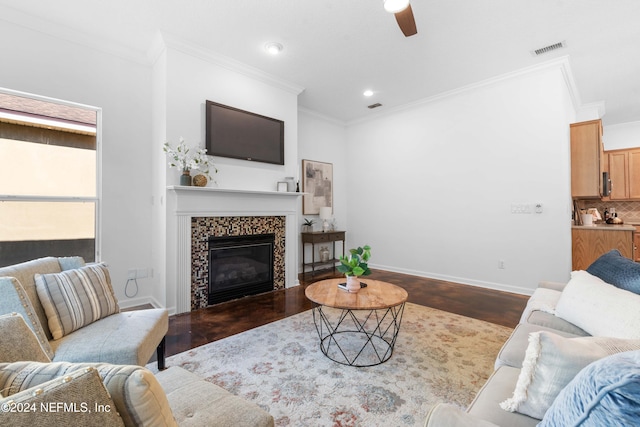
587 159
624 172
588 243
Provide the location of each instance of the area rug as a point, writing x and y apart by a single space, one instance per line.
438 357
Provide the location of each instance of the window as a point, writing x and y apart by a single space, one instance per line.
49 198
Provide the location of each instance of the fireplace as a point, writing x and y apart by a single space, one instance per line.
240 266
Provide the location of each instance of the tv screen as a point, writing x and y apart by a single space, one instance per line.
239 134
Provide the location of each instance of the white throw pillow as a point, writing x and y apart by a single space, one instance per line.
551 361
599 308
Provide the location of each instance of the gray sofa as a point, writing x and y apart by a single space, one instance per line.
103 394
543 368
121 338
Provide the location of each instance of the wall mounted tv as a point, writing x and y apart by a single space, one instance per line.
239 134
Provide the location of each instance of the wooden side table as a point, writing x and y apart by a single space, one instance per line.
316 237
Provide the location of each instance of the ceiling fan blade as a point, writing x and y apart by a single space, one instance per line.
406 22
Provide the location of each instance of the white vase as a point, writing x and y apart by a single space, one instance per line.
353 284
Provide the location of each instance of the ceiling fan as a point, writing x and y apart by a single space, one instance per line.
404 15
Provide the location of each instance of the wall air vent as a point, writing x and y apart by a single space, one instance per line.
372 106
549 48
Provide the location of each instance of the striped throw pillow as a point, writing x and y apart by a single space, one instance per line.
75 298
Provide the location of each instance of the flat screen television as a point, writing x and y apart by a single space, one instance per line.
239 134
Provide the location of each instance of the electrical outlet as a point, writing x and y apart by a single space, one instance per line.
131 274
142 273
501 264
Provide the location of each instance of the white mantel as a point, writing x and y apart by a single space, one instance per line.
184 203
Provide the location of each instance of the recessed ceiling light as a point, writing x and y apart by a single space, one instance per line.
273 48
368 92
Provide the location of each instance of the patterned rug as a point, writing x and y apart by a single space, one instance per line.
438 357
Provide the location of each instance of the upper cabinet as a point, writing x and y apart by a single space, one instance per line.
587 159
624 172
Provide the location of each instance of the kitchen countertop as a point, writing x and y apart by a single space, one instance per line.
609 227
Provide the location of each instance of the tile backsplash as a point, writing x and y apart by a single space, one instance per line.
629 211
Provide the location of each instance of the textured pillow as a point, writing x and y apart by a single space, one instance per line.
599 308
551 361
14 299
77 399
75 298
617 270
18 342
605 393
137 395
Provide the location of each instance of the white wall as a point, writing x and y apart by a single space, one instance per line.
324 140
431 187
625 135
42 64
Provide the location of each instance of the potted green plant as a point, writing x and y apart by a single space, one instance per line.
307 227
355 265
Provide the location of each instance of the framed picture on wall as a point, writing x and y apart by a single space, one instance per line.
317 181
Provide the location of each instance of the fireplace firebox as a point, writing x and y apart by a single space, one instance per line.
240 266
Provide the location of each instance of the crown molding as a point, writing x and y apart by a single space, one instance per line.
321 116
72 35
561 63
231 64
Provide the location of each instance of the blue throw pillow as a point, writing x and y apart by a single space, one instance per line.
605 393
617 270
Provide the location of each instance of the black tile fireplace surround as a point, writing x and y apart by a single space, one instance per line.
240 266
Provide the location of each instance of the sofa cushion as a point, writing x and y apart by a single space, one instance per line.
605 393
127 338
136 393
599 308
25 274
513 350
75 298
230 410
617 270
553 322
486 404
14 299
18 342
77 398
551 362
443 414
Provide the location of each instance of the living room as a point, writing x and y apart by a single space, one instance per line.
429 184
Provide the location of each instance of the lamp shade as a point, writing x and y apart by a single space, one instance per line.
325 212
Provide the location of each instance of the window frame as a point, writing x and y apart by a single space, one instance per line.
98 197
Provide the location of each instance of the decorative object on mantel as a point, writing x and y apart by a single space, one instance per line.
307 227
355 265
317 183
325 216
200 180
187 159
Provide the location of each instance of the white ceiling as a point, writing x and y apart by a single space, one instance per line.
335 49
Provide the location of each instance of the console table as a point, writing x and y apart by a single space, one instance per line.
316 237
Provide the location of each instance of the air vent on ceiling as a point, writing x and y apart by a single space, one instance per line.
549 48
376 105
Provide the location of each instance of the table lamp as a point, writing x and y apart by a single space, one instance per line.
325 216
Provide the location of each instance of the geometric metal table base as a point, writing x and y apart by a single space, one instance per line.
358 337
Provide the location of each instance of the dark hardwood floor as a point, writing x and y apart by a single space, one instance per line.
199 327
